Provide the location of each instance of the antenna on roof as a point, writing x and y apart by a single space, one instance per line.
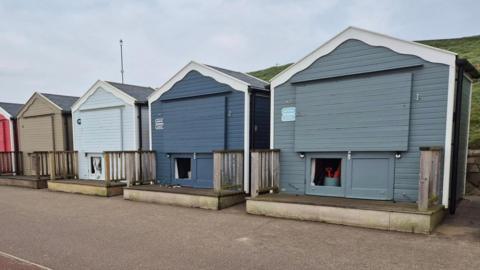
121 59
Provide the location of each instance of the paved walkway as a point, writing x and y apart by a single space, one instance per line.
66 231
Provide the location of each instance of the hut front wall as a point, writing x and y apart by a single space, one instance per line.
354 60
40 128
195 117
103 122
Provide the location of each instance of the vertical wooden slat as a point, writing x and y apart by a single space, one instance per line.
106 159
53 166
217 171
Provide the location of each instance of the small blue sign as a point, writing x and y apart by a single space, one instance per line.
288 114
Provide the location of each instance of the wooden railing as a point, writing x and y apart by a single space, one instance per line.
11 163
228 170
265 174
135 167
55 164
63 164
40 160
430 177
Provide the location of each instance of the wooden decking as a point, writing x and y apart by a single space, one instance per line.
184 196
385 215
388 206
186 190
87 187
23 181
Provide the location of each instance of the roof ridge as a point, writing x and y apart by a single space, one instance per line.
130 84
43 93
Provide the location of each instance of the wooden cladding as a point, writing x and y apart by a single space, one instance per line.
227 170
11 163
265 171
135 167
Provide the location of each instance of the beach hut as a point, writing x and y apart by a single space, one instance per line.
369 121
202 119
109 117
8 137
44 124
8 116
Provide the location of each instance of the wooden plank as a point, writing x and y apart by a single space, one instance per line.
217 171
435 175
423 184
255 174
106 157
154 166
276 170
52 165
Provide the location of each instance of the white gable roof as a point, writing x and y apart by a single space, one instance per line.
204 70
425 52
107 87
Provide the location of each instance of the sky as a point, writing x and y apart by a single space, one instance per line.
64 47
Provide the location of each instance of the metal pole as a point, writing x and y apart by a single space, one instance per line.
121 59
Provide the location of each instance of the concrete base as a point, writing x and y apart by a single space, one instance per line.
86 188
26 182
188 198
402 221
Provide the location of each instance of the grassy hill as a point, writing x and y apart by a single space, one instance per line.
467 47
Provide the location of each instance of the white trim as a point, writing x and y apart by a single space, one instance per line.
468 77
204 70
272 116
5 113
425 52
150 126
136 122
107 87
246 144
74 134
448 136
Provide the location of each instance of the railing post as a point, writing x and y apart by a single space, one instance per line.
276 170
429 176
217 171
53 167
106 158
36 158
255 175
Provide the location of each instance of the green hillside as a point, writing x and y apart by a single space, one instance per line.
467 47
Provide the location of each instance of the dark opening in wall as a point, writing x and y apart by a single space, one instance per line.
96 165
326 172
183 168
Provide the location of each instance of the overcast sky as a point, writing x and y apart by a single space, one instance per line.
63 47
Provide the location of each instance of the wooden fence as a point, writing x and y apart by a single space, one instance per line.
265 174
430 177
55 164
11 163
135 167
63 164
228 170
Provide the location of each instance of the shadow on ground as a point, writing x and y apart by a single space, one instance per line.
465 224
